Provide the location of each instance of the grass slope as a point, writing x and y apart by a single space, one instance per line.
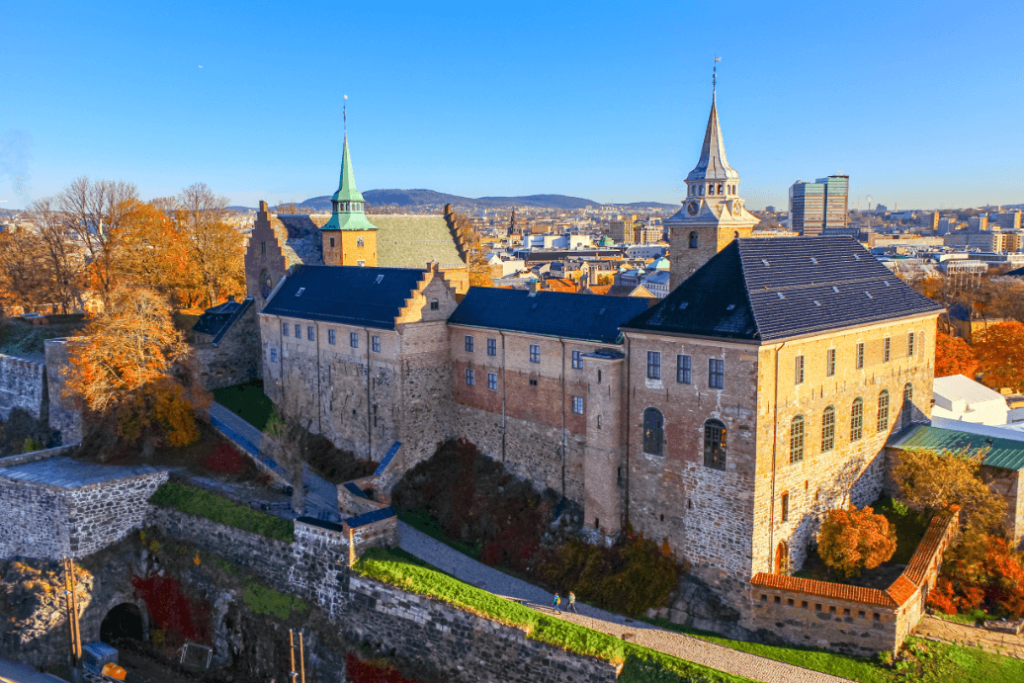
398 568
213 507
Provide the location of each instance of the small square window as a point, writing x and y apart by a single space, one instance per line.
577 360
492 381
284 329
310 335
273 355
577 405
533 382
332 337
778 600
470 377
469 344
683 369
434 305
375 343
534 353
353 340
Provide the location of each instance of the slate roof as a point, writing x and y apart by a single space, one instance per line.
347 295
772 289
65 473
553 314
218 320
1019 272
1005 453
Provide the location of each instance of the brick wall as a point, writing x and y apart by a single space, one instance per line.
22 385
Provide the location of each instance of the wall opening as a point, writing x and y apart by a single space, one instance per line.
781 558
122 622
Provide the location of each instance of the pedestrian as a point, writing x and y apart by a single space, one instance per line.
556 603
572 603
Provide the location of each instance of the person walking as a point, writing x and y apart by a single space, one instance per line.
557 603
572 603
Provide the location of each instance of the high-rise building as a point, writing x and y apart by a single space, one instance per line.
622 230
807 208
977 223
837 199
1008 220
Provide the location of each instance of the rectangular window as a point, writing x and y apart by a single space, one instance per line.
910 344
683 368
716 373
577 360
533 382
375 342
353 340
534 353
654 365
860 356
284 329
298 331
469 344
273 355
577 405
492 347
492 381
263 248
331 337
785 507
434 305
470 377
309 333
886 349
830 363
799 360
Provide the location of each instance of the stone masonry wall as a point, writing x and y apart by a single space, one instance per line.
32 520
235 359
102 514
22 385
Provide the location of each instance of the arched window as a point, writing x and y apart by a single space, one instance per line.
720 188
796 439
828 429
714 444
693 240
359 241
782 558
908 404
857 420
654 431
883 411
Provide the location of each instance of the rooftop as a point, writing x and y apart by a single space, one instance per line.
1004 453
958 387
65 473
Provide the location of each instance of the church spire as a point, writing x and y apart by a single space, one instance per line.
713 164
348 205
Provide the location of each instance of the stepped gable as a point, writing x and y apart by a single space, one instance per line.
769 290
553 314
370 297
299 237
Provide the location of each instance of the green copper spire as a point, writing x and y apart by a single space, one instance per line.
348 204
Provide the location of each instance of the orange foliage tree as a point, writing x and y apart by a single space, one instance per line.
1000 353
953 356
131 368
994 583
852 540
153 254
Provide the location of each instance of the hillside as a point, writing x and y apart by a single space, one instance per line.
429 199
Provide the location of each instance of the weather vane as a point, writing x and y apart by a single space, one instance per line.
344 114
714 73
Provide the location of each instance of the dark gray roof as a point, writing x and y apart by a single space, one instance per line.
554 314
347 295
65 473
770 289
1019 272
218 320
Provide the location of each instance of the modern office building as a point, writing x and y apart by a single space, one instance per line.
815 206
837 199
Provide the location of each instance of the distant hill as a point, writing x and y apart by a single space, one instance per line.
420 199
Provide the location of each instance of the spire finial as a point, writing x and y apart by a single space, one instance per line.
714 75
344 115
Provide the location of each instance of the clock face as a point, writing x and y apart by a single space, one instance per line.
266 284
692 208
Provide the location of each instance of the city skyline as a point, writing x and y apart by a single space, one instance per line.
248 101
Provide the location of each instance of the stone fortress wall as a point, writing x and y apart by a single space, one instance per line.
23 385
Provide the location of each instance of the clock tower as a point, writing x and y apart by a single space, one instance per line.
713 214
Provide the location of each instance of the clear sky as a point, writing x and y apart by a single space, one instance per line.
921 103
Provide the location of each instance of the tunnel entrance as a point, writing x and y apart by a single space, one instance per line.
124 621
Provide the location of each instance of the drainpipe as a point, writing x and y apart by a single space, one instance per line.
502 396
775 448
319 396
562 341
629 420
369 404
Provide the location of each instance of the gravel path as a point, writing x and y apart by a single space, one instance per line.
676 644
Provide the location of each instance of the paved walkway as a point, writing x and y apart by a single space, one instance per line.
961 634
676 644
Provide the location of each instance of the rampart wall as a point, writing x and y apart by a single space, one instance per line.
22 385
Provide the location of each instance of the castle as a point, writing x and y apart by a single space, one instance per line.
725 419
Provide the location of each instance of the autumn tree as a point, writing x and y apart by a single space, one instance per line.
130 372
953 356
853 540
153 254
63 260
1000 352
24 282
95 212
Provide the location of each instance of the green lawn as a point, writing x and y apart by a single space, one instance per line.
642 665
910 527
939 663
247 401
218 509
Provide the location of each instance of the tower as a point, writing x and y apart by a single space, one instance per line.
712 215
349 239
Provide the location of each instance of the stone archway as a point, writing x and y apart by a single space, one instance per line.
123 621
781 558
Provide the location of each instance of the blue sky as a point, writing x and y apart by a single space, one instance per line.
921 103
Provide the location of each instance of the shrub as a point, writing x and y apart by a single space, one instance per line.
215 508
994 583
263 600
852 540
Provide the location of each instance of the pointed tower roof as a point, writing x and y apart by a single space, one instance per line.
712 164
348 204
